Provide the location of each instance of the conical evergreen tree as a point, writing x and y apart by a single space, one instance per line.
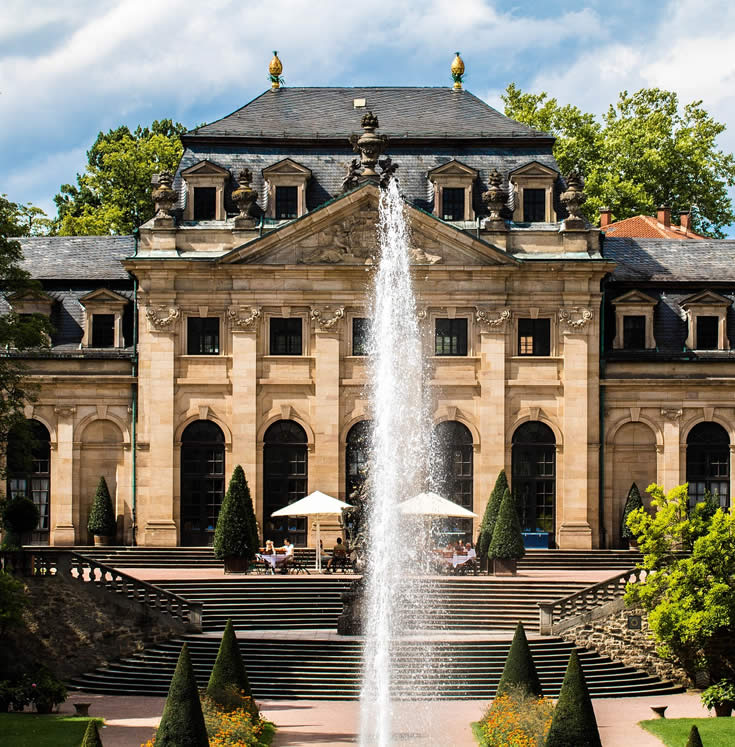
182 723
632 502
91 736
694 739
507 539
491 514
236 533
519 669
228 672
102 516
574 721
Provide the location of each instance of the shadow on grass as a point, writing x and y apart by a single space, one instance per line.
674 732
36 730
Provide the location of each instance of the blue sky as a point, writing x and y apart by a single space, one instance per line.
71 69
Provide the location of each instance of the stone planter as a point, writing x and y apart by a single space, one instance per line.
103 540
724 709
236 564
505 566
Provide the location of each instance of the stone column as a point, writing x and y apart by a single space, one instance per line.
156 382
244 323
493 326
62 479
577 493
672 451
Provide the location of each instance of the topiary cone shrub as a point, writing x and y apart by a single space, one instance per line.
19 516
574 721
182 723
507 543
489 518
91 736
632 502
694 739
229 679
236 533
519 669
102 522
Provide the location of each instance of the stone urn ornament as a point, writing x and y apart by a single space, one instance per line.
369 145
164 197
573 197
244 197
495 198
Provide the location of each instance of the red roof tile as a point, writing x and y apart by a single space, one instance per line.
647 227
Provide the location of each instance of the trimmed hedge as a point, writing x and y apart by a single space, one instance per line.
519 669
694 739
632 502
507 542
19 515
228 673
91 736
102 520
182 723
574 721
487 526
236 533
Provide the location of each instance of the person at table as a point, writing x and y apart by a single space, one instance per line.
270 548
287 549
338 554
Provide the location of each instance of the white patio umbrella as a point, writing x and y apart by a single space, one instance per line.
432 504
315 504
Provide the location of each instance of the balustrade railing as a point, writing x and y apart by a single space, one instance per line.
563 613
84 569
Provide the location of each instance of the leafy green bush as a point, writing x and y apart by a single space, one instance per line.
19 515
228 673
487 527
519 670
721 692
46 691
236 533
515 719
12 601
632 503
507 542
102 520
91 736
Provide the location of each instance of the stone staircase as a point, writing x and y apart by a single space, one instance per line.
286 667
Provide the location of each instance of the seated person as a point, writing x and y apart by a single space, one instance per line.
339 554
287 550
269 548
324 556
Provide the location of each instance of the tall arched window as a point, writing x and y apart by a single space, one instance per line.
29 472
202 481
357 455
708 462
453 472
534 476
285 479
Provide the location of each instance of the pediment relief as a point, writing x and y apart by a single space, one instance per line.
102 295
29 295
706 298
453 168
635 297
287 167
534 169
205 168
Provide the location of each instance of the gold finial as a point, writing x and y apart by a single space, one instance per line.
274 71
457 72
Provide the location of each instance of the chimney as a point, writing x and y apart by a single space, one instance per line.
684 220
663 215
605 217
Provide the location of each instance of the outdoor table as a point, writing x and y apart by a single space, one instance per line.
274 560
460 559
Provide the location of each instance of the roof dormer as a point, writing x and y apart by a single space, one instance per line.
286 185
707 321
634 321
205 191
31 301
103 319
453 183
533 193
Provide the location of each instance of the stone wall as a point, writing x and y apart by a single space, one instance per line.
73 628
611 637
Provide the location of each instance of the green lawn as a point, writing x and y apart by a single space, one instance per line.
674 732
34 730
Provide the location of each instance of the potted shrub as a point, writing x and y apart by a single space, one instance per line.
632 503
236 533
19 516
102 523
47 692
490 517
721 697
506 545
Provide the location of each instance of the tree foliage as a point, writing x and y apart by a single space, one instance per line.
690 599
647 150
519 669
487 526
507 541
632 503
102 520
113 195
236 533
13 601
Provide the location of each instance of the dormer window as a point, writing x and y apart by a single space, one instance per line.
103 330
103 323
707 321
533 193
453 183
634 321
30 302
286 183
205 191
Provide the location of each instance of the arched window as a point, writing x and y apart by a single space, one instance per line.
285 479
708 462
453 472
29 472
534 476
202 481
357 456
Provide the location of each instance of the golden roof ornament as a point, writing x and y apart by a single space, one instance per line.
457 72
274 71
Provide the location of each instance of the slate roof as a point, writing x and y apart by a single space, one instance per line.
671 260
648 227
77 257
402 112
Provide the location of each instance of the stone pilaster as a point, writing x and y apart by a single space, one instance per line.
672 456
62 478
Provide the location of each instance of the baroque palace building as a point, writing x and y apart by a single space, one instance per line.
231 329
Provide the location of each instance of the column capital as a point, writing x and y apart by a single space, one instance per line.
243 321
673 415
65 411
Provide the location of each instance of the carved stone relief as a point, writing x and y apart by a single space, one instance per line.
575 318
673 415
242 321
326 317
162 317
492 320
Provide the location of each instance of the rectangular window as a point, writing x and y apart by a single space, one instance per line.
707 328
202 336
285 336
103 330
534 205
634 332
451 337
205 203
453 203
287 202
360 336
534 337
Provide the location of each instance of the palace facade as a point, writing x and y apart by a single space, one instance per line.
231 329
